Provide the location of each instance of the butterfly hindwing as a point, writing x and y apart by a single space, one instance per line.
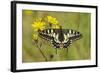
60 38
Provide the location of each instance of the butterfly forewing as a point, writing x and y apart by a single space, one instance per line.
45 35
72 34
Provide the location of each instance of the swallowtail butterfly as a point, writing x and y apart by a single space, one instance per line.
60 38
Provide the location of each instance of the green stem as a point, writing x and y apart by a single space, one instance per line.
42 53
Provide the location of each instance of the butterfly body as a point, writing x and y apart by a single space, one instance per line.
60 38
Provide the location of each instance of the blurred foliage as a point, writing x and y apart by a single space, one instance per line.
42 50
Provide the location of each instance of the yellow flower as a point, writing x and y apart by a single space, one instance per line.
56 27
52 20
34 36
38 25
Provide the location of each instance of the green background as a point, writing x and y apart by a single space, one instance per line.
79 50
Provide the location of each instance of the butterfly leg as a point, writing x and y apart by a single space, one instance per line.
67 50
56 50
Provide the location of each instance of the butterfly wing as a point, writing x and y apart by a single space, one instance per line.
46 34
72 35
51 35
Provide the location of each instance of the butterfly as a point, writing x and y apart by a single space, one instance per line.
60 38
